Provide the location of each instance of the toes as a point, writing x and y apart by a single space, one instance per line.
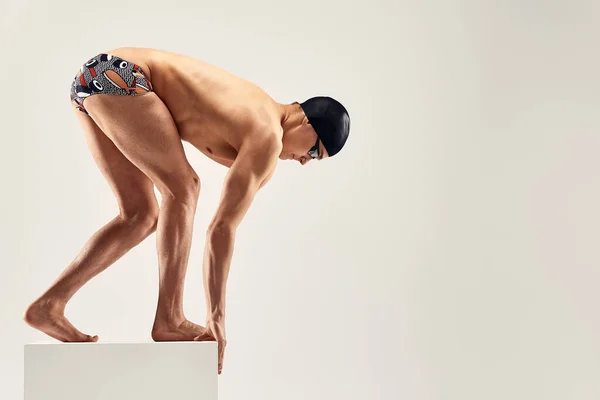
84 338
72 334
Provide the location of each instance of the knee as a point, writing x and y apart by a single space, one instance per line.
194 186
145 217
184 190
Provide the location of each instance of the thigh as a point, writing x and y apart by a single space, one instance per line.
143 130
133 189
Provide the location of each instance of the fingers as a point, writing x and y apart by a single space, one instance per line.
217 329
222 345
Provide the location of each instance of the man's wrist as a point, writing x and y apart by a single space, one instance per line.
217 315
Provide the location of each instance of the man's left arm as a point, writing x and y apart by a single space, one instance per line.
248 173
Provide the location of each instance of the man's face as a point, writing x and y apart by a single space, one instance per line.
303 145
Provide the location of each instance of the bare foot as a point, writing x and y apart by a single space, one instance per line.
47 315
184 331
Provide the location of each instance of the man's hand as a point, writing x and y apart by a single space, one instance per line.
215 331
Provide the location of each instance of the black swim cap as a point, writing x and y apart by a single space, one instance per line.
330 120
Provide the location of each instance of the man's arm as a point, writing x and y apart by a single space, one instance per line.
252 167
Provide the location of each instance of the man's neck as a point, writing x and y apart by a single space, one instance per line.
291 116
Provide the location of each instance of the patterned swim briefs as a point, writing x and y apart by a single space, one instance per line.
108 74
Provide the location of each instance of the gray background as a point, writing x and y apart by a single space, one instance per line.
449 252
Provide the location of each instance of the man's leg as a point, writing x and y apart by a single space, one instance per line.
143 130
136 221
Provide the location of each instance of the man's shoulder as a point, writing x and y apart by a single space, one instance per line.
262 141
264 126
262 145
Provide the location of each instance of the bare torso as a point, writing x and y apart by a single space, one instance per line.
213 109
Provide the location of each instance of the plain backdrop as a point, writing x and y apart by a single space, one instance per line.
449 252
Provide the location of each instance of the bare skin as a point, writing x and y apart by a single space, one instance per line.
136 142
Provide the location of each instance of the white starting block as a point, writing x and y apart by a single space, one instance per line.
121 371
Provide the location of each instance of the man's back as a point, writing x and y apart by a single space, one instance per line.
213 109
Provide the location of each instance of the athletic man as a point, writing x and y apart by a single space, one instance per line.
157 99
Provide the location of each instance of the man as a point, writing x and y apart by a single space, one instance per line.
155 100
